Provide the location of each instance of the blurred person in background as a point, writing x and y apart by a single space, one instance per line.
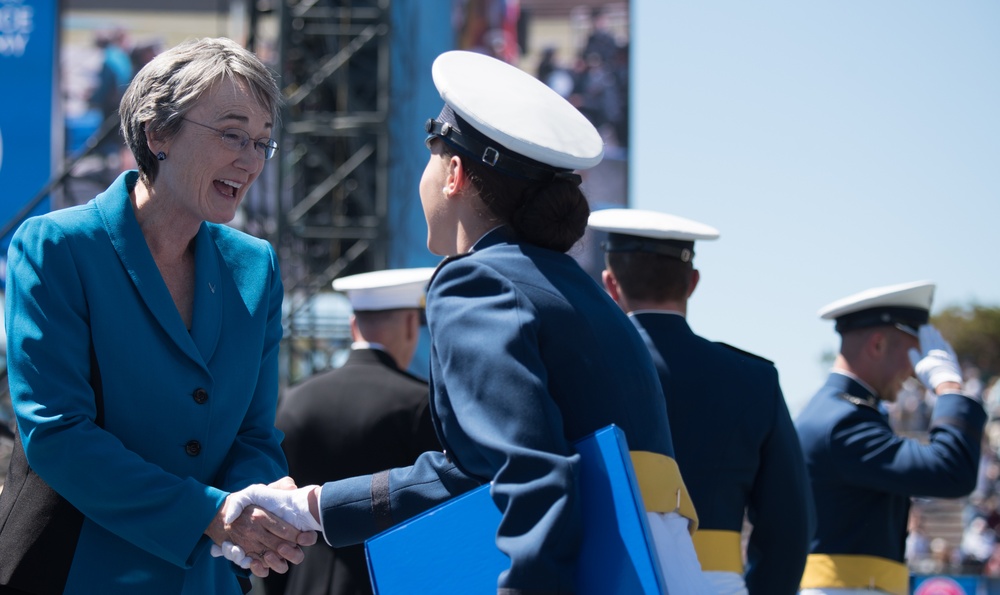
735 442
863 475
976 548
364 417
112 79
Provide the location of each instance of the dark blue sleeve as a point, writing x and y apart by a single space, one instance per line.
870 455
504 425
357 508
779 508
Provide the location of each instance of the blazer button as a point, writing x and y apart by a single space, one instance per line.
200 395
193 447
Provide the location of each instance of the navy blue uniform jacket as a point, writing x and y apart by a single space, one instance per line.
736 447
863 474
528 354
188 415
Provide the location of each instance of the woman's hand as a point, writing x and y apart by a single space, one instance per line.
255 538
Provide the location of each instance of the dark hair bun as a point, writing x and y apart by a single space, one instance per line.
552 216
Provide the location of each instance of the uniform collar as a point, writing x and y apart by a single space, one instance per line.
665 321
647 311
853 388
367 345
372 356
498 235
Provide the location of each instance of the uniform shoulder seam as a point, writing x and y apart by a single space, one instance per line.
746 353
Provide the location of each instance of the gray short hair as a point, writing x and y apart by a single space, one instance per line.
172 82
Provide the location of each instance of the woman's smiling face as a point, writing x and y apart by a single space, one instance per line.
206 177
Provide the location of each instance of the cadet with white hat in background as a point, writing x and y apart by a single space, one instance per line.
368 415
863 475
528 353
733 436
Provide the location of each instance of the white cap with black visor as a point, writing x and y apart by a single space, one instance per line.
509 120
905 306
637 230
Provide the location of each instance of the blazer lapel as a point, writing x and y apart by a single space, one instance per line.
128 241
206 324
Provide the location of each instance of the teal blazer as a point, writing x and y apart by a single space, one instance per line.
188 416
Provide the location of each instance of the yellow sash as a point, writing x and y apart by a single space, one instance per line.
855 572
662 486
719 551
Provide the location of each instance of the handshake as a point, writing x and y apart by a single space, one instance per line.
260 528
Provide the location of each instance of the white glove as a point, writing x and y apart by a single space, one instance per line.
292 506
231 552
935 363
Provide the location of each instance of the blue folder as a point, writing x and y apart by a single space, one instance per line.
452 549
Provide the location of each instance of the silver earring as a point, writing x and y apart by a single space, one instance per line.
161 156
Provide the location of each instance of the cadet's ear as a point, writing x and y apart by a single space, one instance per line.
413 324
355 332
877 344
611 285
457 178
695 277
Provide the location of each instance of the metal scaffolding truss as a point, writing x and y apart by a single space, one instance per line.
334 65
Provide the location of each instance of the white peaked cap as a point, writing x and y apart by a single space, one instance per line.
386 290
516 110
635 230
906 304
650 224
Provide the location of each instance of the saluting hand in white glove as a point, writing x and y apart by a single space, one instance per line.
936 362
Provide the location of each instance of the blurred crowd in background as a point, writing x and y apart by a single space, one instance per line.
94 80
595 80
959 536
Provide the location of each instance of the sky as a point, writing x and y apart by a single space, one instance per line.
837 146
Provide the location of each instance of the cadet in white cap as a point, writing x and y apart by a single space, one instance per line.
368 415
735 442
528 353
863 475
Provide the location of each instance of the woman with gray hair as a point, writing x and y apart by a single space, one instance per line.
143 337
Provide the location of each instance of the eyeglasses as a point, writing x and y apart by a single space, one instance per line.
236 139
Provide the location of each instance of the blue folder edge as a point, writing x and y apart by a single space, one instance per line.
452 549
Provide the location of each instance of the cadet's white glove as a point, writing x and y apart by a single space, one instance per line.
292 506
231 552
935 362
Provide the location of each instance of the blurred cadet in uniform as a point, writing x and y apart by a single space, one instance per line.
735 442
863 475
364 417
